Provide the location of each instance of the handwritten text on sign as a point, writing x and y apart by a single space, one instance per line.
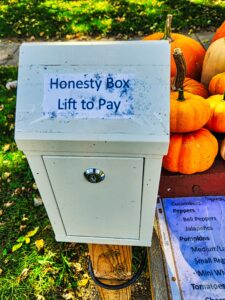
197 231
92 95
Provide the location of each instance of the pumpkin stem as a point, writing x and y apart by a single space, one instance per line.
167 32
181 70
181 95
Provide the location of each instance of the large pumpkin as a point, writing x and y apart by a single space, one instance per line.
217 84
220 32
191 152
188 112
193 51
214 61
217 118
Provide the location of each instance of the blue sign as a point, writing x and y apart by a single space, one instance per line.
196 227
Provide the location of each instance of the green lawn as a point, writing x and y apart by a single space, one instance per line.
74 19
32 264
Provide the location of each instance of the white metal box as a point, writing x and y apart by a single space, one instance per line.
99 105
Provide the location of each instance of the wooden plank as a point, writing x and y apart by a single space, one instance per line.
159 288
210 182
112 265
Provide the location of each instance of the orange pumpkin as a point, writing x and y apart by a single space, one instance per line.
220 32
217 84
191 152
222 149
193 51
217 119
192 86
188 112
214 61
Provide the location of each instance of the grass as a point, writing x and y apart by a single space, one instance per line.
40 268
77 19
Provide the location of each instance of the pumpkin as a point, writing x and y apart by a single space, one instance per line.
216 121
191 86
222 149
214 61
188 112
220 32
191 152
217 84
193 51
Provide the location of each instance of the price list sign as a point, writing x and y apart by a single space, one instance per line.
197 233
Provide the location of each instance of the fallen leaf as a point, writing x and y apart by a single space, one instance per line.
32 232
34 186
39 244
83 282
16 247
69 295
27 240
23 275
37 201
8 204
78 267
6 175
6 147
20 239
25 218
22 227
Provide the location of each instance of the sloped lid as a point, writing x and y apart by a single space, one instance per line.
103 91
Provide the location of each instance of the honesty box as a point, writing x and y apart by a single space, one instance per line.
89 95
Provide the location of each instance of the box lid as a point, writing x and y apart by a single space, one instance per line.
98 91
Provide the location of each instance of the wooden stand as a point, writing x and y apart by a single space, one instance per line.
112 265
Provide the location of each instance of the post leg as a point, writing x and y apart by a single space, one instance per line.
112 265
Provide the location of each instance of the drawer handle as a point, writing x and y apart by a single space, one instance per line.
94 175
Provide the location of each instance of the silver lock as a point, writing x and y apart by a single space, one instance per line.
94 175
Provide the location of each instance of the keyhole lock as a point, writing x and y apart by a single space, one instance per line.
94 175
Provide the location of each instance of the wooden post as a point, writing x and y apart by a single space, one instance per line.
112 265
158 276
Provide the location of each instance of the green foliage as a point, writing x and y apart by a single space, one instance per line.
32 264
67 19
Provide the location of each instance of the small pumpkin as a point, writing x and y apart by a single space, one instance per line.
191 86
220 32
188 112
217 84
216 121
191 152
214 61
222 149
193 51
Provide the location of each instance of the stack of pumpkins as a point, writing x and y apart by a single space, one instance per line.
194 115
